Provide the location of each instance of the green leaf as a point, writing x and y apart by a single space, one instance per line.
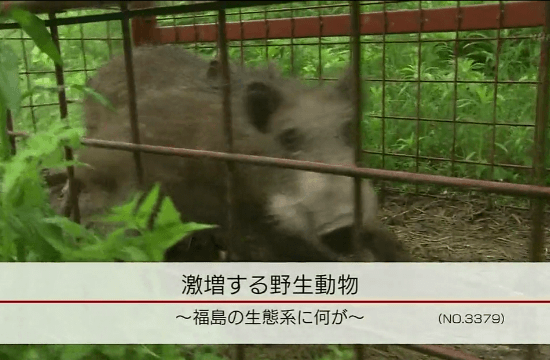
73 229
36 29
167 213
135 254
10 94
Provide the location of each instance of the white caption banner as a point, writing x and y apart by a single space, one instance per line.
274 303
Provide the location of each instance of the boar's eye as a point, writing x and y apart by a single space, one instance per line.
347 132
291 139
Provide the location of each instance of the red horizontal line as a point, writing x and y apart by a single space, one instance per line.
274 301
474 17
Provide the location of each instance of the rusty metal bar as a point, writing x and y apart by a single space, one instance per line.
539 156
29 84
455 89
383 112
355 14
132 106
451 121
521 190
241 47
240 352
228 132
435 158
495 91
441 352
167 10
9 126
266 38
39 7
418 89
320 65
109 40
82 45
541 124
448 81
292 29
227 119
359 352
474 17
73 192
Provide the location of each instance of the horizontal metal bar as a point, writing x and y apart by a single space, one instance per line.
432 158
474 17
40 7
531 191
442 352
165 10
448 121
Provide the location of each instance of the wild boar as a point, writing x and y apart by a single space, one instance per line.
179 103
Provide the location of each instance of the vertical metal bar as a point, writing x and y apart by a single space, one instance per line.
419 69
385 29
495 92
239 352
358 114
541 124
292 30
73 193
29 83
83 51
490 197
228 132
227 118
266 36
355 17
127 42
195 32
539 159
176 32
9 126
359 352
355 22
455 84
320 66
241 28
109 41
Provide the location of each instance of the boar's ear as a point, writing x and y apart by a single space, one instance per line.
344 85
261 101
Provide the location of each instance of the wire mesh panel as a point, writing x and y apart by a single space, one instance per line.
455 97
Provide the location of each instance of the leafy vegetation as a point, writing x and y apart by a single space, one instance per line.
30 230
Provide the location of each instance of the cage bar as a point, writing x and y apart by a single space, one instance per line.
73 190
132 103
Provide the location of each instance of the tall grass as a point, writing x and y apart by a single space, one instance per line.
403 138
